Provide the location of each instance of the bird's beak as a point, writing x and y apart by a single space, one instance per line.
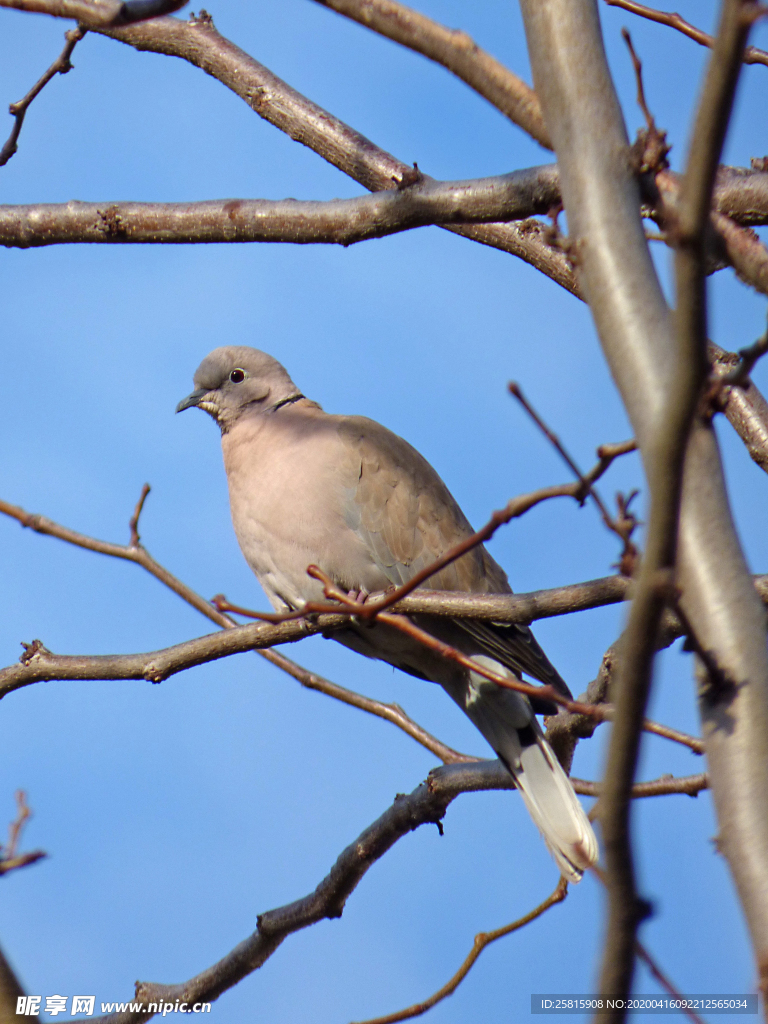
194 399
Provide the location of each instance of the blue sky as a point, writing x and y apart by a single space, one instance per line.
174 814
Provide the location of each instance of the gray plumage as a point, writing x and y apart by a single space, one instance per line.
345 493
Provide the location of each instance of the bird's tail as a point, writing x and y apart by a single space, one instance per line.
554 807
507 721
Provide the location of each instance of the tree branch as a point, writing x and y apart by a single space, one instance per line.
665 785
751 54
10 858
664 459
59 67
456 51
742 194
734 703
744 406
338 221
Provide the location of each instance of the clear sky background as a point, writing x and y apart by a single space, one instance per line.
174 814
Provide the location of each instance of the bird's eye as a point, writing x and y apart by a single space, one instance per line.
237 376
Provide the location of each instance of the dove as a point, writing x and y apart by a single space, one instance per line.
346 494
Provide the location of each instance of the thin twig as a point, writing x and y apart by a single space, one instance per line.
482 939
60 66
752 55
602 712
650 149
650 121
623 526
10 858
739 375
665 785
389 712
665 983
133 522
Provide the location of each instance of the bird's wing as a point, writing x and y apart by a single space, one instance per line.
407 518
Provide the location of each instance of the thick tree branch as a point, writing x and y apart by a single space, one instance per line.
609 248
664 457
456 51
741 199
340 221
742 195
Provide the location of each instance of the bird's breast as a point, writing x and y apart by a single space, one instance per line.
291 481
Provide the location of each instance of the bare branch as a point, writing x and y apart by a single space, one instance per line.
665 785
59 67
665 983
624 525
751 53
10 858
744 251
456 51
742 194
744 406
482 939
98 14
734 700
340 221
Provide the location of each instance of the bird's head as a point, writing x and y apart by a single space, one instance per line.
236 379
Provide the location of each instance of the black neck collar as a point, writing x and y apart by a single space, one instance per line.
287 401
